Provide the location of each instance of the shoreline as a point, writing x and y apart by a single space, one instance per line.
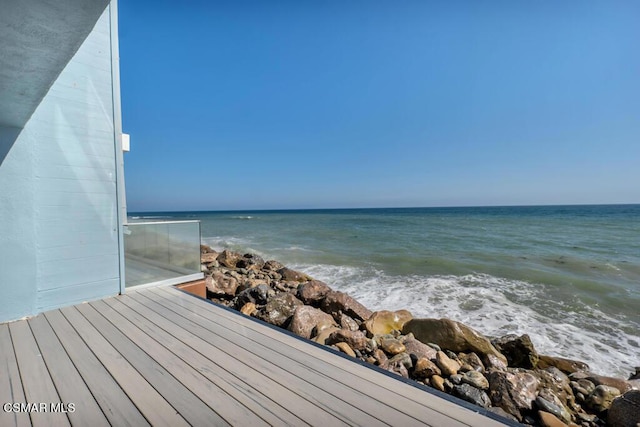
505 375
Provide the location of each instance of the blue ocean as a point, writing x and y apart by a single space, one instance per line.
569 276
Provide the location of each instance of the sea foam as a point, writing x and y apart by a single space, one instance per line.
496 307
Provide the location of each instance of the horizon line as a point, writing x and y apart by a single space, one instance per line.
382 207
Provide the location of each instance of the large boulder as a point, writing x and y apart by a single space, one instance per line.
384 322
219 283
313 292
250 261
336 303
514 392
454 336
305 318
258 295
518 350
279 309
289 275
418 349
567 366
602 397
471 394
229 258
355 339
625 411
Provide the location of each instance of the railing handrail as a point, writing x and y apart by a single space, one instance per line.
162 222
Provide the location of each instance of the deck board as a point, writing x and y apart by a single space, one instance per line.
10 383
396 393
37 383
215 365
114 402
341 399
158 356
69 383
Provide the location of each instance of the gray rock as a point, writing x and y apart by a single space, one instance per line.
472 394
513 391
258 295
552 408
518 350
476 379
625 410
280 308
602 397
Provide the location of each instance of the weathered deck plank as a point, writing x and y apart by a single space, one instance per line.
10 383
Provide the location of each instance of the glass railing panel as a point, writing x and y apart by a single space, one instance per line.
161 251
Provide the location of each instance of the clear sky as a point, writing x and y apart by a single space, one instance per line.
314 104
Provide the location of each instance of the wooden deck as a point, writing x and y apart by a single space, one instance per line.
161 357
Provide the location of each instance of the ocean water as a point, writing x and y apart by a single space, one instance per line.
569 276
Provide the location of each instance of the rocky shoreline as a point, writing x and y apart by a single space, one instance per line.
505 374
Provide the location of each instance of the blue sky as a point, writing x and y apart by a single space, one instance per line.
324 104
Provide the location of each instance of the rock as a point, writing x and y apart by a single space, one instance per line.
402 358
636 375
221 284
552 408
313 292
437 382
518 350
583 386
392 346
454 336
323 335
280 308
258 295
446 365
348 323
336 303
345 348
383 322
475 379
622 385
425 368
228 258
549 420
381 359
472 360
272 265
513 391
602 397
293 276
499 411
248 309
625 411
567 366
305 318
356 339
418 349
205 249
250 261
555 382
398 368
209 257
472 394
